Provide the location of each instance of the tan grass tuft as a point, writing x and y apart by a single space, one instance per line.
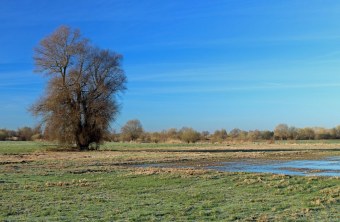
176 171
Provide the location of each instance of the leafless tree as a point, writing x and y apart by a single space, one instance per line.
281 131
219 135
189 135
80 99
132 130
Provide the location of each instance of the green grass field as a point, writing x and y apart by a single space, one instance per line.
36 185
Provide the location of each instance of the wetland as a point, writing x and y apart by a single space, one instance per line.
196 182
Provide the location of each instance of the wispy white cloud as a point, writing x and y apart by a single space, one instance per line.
265 86
228 42
20 81
188 74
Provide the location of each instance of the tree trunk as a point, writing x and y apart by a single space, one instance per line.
81 140
82 145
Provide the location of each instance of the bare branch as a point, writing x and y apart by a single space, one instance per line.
79 102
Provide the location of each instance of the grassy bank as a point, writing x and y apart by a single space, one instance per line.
104 186
65 192
24 147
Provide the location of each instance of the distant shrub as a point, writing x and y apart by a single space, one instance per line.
3 135
132 130
189 135
36 137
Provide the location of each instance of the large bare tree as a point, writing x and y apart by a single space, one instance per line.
80 99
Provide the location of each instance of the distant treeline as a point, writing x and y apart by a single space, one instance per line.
190 135
22 134
133 131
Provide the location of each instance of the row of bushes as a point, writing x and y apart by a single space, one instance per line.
22 134
133 131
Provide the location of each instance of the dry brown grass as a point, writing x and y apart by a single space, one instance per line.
198 154
174 171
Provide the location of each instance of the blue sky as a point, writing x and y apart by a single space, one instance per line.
203 64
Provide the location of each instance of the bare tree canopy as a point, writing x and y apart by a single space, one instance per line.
80 99
132 130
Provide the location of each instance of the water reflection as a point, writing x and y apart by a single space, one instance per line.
324 167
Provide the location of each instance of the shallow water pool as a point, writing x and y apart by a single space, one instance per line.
323 167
